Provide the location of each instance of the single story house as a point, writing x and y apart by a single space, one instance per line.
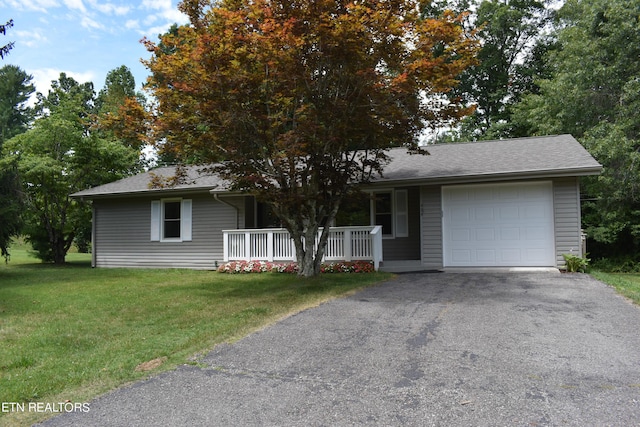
506 203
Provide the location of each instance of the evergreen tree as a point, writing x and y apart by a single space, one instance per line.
15 89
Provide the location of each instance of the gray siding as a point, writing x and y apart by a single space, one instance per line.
122 234
406 248
566 205
431 227
122 230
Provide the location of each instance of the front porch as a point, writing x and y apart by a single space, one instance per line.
362 243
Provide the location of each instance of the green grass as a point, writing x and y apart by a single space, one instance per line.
73 332
627 284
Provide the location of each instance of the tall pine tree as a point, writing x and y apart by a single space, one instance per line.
16 88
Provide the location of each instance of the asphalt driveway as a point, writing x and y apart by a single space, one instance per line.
437 349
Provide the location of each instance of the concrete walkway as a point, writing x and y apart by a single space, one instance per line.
437 349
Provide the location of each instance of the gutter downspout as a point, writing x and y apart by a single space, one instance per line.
237 209
93 235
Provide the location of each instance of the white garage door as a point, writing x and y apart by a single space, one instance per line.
506 225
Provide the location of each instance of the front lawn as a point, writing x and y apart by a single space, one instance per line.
627 284
71 333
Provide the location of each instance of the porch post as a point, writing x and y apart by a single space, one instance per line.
225 246
376 246
247 245
270 245
346 244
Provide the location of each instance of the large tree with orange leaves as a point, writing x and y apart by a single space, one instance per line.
301 99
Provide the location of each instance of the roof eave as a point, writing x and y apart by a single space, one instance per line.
436 180
151 192
502 176
221 191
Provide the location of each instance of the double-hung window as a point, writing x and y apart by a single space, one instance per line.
171 220
383 212
171 216
390 210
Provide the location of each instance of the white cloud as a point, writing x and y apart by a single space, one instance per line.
36 5
153 32
156 30
132 24
165 13
109 8
31 38
175 16
150 19
156 4
89 23
42 78
159 22
121 10
75 4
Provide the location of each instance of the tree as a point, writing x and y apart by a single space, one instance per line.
512 41
118 86
596 58
301 99
15 89
59 155
593 94
4 50
119 117
11 207
121 110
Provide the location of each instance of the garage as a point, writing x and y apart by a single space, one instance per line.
501 225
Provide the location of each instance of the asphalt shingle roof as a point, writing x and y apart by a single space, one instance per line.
549 156
552 155
142 183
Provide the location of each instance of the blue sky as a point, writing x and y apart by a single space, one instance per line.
83 38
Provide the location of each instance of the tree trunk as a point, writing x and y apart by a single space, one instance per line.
304 232
60 246
306 258
310 257
307 267
59 254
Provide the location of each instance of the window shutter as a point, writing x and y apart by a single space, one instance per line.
185 219
155 221
402 214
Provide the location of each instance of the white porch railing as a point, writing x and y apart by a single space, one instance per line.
275 244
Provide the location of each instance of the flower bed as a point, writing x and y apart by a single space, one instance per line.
347 267
240 267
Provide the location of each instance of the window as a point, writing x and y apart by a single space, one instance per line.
390 210
171 220
383 212
402 213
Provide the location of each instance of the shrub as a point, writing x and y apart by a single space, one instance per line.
625 264
240 267
575 263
